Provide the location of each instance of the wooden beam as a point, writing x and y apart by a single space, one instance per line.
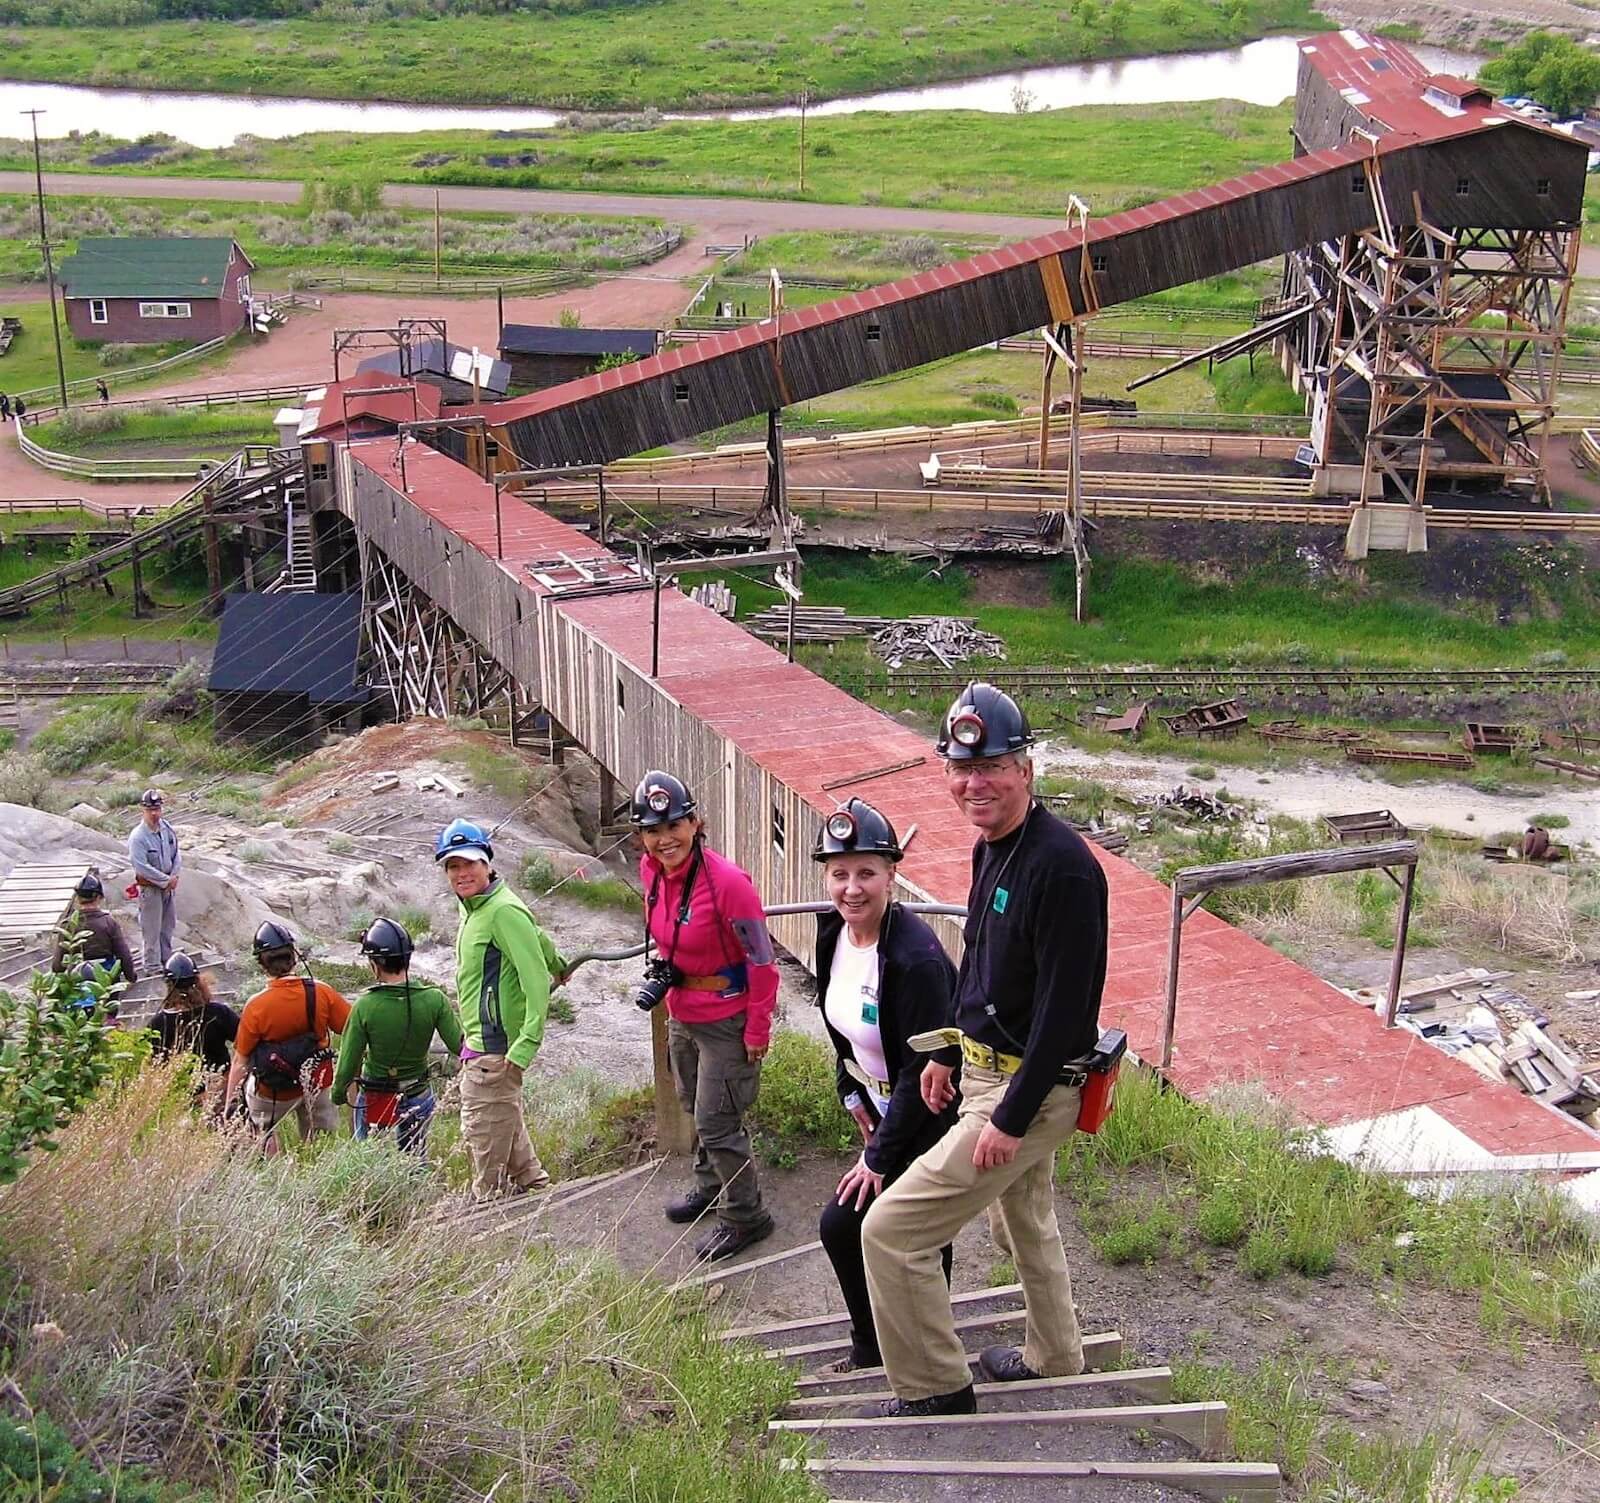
1218 1481
1153 1383
838 1317
1260 869
728 1271
1101 1350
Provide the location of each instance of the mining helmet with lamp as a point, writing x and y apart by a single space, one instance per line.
180 970
983 722
659 799
270 938
463 838
90 887
856 829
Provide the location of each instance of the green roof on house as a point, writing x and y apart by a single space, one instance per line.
149 266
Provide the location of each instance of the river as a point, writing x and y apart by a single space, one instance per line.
1260 72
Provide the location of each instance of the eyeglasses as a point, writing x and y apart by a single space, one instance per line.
989 767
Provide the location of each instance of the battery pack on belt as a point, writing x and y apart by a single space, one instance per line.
1099 1090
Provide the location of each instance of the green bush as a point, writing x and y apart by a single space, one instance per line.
1263 1256
799 1102
1221 1219
37 1462
1140 1235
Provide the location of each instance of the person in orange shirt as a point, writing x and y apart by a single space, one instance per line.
280 1029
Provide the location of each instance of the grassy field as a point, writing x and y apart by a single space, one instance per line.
337 232
1164 613
669 54
1115 157
155 428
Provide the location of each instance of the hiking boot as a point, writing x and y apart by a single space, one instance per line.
690 1207
962 1401
1004 1364
723 1241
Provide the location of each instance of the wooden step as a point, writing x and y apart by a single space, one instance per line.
1216 1481
1203 1426
841 1317
837 1345
1151 1383
1100 1351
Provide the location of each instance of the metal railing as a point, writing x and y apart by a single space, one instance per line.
133 372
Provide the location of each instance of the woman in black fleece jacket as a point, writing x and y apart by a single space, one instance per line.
882 976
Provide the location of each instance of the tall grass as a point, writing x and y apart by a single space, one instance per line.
121 731
304 1328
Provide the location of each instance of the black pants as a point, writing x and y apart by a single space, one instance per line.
841 1240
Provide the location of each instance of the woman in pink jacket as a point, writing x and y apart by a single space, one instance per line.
709 958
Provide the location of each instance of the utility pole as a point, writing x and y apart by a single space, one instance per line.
437 234
802 143
44 245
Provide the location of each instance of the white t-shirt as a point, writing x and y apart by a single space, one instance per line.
852 1003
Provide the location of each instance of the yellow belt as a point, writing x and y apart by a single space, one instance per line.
879 1088
981 1056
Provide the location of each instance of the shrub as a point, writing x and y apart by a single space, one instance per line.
1137 1236
26 780
113 355
1263 1255
799 1101
1221 1219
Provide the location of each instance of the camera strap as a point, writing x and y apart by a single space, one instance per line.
683 905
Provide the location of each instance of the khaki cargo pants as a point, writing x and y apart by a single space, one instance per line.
930 1203
717 1085
494 1131
314 1111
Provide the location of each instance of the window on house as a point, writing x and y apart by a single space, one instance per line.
491 449
680 391
244 289
875 331
163 310
1099 263
1463 185
1358 182
97 310
622 696
1541 186
317 469
778 829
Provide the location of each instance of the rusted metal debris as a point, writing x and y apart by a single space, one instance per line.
1572 769
1480 737
1359 829
1325 735
1220 720
1407 754
1129 722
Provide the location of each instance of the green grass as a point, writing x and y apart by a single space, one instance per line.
540 874
1242 1176
1277 1415
670 54
1119 156
204 432
1154 612
500 771
798 1107
118 731
281 237
30 363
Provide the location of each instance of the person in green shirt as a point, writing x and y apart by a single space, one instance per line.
385 1044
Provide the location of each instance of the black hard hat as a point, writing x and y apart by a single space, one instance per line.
856 830
659 799
180 969
388 942
90 886
271 936
151 798
983 722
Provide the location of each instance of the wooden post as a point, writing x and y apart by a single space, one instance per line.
608 795
138 584
1174 945
214 558
674 1129
438 234
600 487
1402 927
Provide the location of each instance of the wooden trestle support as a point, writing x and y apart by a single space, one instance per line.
420 659
1454 334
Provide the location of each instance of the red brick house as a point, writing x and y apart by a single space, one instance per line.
151 290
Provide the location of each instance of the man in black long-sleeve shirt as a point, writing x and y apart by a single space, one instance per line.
1028 1007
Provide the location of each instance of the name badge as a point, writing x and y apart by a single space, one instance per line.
1001 898
869 1011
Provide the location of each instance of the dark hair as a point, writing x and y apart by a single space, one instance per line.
277 962
196 994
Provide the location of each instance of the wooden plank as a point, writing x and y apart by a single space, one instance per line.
727 1271
1154 1383
838 1317
1099 1351
842 1343
1258 869
1202 1425
1244 1481
1577 1162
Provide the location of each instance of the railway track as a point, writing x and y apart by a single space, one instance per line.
120 679
1178 683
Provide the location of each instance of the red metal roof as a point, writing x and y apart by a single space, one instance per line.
349 400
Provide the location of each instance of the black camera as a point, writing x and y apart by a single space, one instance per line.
660 976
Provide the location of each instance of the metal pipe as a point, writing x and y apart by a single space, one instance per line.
1174 944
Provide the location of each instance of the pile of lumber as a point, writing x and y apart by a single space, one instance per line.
813 623
1535 1059
946 640
1194 804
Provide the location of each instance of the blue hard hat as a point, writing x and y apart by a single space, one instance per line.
463 838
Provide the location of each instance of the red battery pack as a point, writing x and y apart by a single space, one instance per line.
383 1107
320 1074
1099 1090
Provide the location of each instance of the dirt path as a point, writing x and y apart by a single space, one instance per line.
1310 791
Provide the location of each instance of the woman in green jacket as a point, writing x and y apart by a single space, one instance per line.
386 1042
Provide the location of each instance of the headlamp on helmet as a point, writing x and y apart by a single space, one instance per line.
967 729
841 825
658 800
